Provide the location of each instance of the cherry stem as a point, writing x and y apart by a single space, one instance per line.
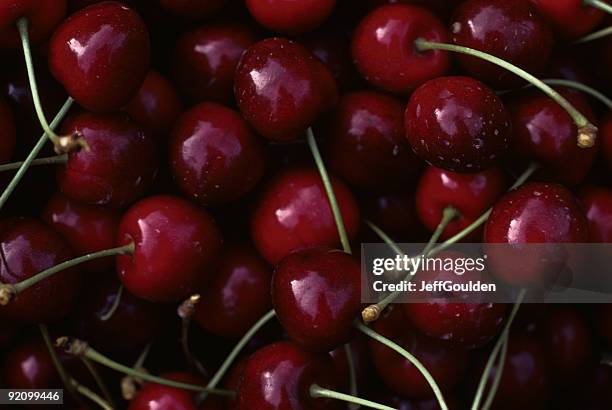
596 35
351 370
128 383
317 392
498 374
33 154
116 302
312 143
64 376
92 396
58 159
582 87
185 312
408 356
598 4
99 382
587 132
386 238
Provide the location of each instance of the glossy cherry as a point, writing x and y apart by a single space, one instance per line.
119 167
457 123
214 155
42 15
570 18
239 293
290 16
7 133
205 61
365 142
597 204
293 212
509 29
98 76
175 243
29 247
281 88
383 47
155 396
470 194
316 296
192 9
29 366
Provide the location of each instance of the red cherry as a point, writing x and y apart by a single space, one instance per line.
214 155
101 55
597 203
238 295
192 9
29 366
119 167
316 296
365 142
570 18
383 47
457 123
206 58
605 135
470 194
29 247
509 29
154 396
278 377
7 132
281 88
290 16
231 382
175 243
42 16
293 212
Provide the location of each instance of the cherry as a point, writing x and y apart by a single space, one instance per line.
570 18
175 243
214 156
605 135
290 16
42 16
597 204
365 144
154 396
119 166
509 29
383 47
316 296
293 212
457 123
192 9
29 366
8 133
100 77
281 88
470 194
238 295
29 247
206 58
279 377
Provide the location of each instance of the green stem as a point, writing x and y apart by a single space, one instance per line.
312 143
498 375
415 362
92 396
596 35
587 132
386 238
58 159
116 301
64 376
598 4
584 88
351 370
448 214
317 391
98 379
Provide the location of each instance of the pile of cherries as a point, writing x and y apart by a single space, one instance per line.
179 242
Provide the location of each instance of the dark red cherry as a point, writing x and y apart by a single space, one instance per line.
214 155
543 132
192 9
293 212
29 366
597 204
175 243
238 295
278 377
570 18
155 396
42 15
605 135
290 16
509 29
101 55
383 47
7 132
87 228
316 296
365 142
457 123
470 194
119 167
281 88
29 247
206 58
156 105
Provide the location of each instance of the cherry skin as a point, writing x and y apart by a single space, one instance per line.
365 144
281 88
7 133
597 204
383 47
42 16
119 167
605 135
175 243
293 212
192 9
29 247
206 58
457 123
570 18
470 194
509 29
99 77
214 155
29 366
290 17
278 377
316 296
155 396
238 295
